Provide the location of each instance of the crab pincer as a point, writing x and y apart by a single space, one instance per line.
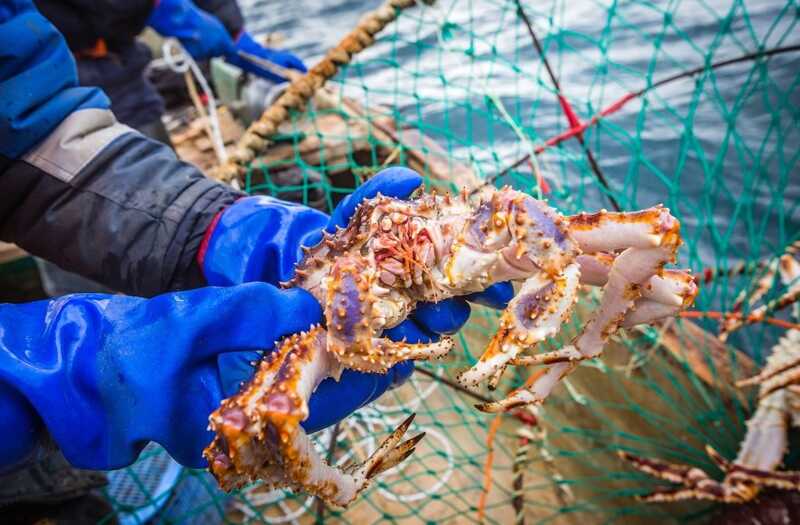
354 314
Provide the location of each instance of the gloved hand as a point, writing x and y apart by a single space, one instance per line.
107 374
201 34
261 239
246 44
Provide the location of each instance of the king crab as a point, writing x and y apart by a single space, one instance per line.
766 441
370 275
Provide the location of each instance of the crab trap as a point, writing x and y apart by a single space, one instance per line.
588 104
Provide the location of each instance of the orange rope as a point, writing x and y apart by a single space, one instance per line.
487 467
694 314
493 427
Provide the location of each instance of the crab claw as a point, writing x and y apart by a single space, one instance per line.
391 452
353 315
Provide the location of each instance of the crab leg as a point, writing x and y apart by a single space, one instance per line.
643 312
763 285
654 238
695 483
259 434
564 355
535 314
789 269
608 232
235 456
663 295
766 439
353 315
760 453
781 380
783 367
672 287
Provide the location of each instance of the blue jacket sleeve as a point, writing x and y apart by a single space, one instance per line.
107 374
38 79
82 190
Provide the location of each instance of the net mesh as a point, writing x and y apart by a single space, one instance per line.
590 105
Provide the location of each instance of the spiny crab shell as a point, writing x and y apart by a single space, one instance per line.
395 253
370 275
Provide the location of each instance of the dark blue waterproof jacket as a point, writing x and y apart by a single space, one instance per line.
88 193
120 71
75 183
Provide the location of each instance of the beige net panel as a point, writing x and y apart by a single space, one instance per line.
591 104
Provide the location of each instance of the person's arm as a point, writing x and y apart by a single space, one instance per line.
83 22
227 12
104 375
214 28
82 190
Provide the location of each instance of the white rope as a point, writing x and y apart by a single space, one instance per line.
178 60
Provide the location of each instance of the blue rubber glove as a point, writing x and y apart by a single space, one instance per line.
200 33
261 239
246 44
107 374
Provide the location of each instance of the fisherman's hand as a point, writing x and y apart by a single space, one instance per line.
246 45
201 34
261 238
106 374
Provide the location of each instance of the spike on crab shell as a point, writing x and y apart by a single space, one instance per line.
717 458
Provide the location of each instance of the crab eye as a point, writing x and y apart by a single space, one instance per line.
386 223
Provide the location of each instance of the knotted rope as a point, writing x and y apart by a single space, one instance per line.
257 137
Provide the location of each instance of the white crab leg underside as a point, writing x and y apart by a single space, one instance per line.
765 443
611 232
672 287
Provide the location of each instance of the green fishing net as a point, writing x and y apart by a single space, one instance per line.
693 104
